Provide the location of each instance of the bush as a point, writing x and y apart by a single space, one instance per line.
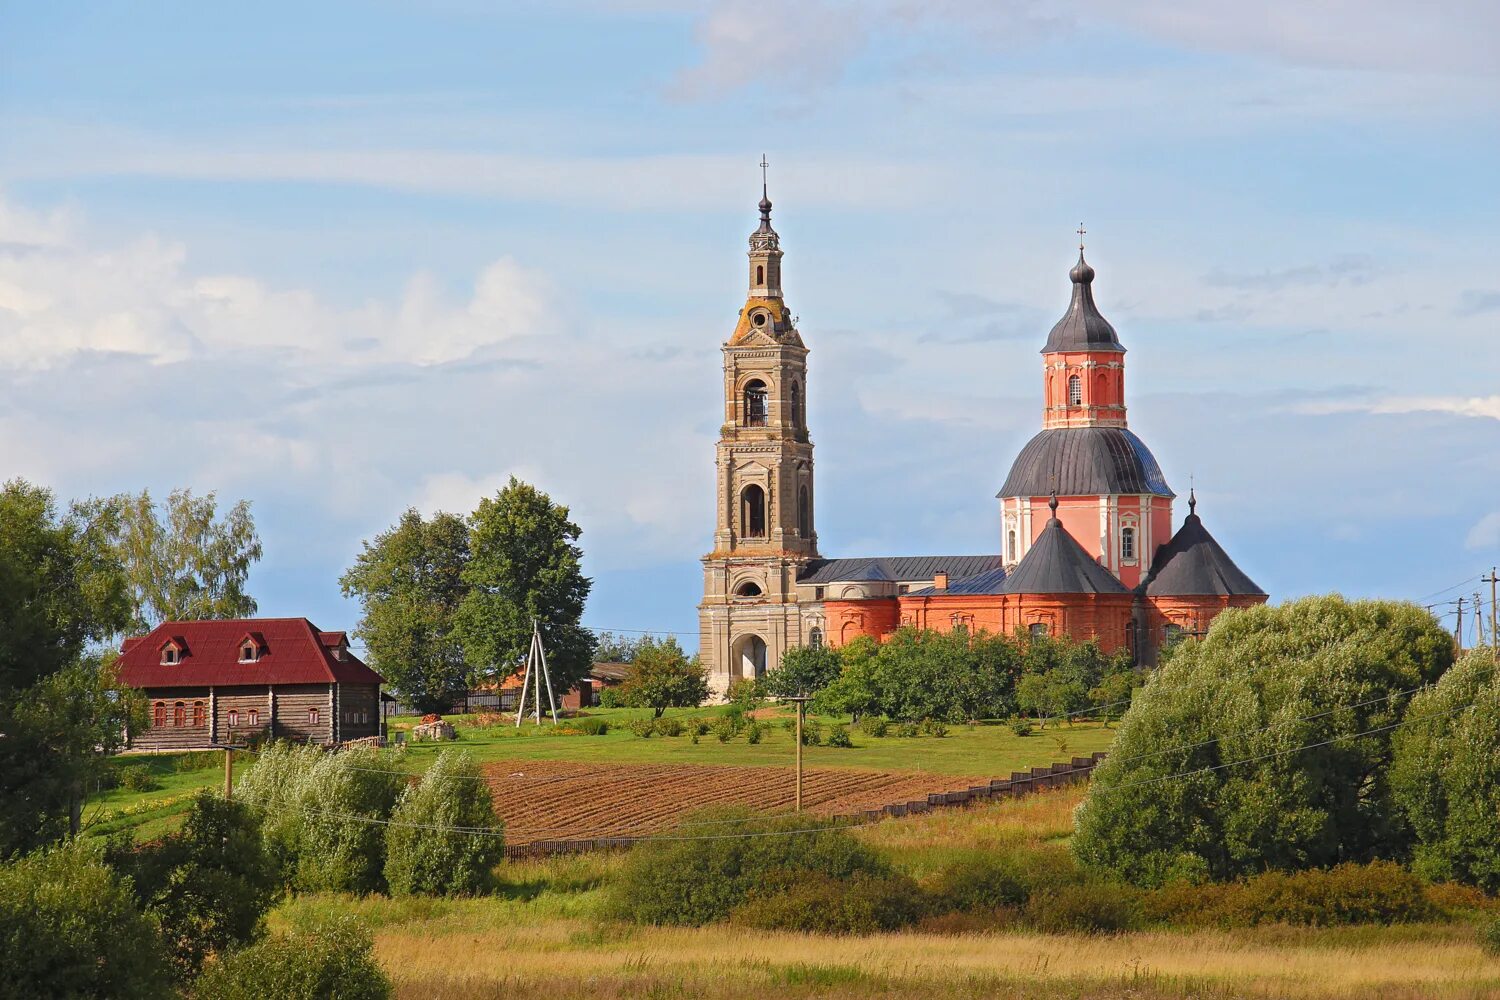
1309 673
201 760
421 859
754 732
590 726
1089 907
611 698
812 733
642 727
316 809
985 883
669 727
1489 936
818 904
1377 893
1019 726
745 693
803 670
907 730
691 882
68 924
138 778
329 960
700 727
727 728
874 725
932 727
838 736
208 885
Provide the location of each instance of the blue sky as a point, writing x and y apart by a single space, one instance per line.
342 258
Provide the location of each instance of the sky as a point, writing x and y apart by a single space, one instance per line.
341 259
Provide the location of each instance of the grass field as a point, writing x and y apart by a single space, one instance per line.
542 934
979 750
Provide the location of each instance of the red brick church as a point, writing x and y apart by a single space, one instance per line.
1087 545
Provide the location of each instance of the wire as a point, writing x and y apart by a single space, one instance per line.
1439 593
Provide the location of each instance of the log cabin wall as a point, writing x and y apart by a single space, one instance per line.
304 713
359 711
251 713
168 734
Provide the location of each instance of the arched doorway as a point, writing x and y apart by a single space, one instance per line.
751 656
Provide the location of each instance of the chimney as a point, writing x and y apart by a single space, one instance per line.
940 580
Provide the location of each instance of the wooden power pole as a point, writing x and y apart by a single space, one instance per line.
801 701
228 772
1494 626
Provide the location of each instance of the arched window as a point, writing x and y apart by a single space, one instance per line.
253 717
747 589
159 715
1075 390
804 513
1039 630
1010 544
312 716
179 715
753 512
1172 634
234 717
815 638
760 275
752 656
757 403
198 714
1127 544
796 394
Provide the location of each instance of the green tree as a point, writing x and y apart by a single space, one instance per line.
410 585
61 712
524 565
1264 745
1446 774
854 690
611 648
182 560
325 958
662 676
803 670
424 853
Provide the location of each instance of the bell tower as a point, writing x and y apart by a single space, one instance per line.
764 531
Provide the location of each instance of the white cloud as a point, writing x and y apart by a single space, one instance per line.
1485 534
1462 406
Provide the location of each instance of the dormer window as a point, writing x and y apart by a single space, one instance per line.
173 650
247 653
169 655
252 645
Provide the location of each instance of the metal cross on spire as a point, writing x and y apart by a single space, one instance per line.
1081 231
763 166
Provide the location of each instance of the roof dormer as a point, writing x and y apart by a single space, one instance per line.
337 644
174 649
252 647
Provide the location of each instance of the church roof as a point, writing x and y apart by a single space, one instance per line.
896 568
1194 564
991 581
1082 328
1083 461
1057 564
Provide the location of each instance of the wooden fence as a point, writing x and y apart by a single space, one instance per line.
1018 784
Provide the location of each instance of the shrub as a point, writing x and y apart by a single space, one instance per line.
745 693
982 884
590 726
700 727
874 725
1019 726
819 904
208 885
754 732
695 882
315 809
201 760
662 676
932 727
611 698
138 778
727 728
790 725
1381 892
803 670
68 924
907 730
1090 907
812 733
838 736
421 859
642 727
1489 936
669 727
328 960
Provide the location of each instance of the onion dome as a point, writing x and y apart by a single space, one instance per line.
1193 564
1057 564
1082 328
1085 461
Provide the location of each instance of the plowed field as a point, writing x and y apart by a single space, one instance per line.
561 800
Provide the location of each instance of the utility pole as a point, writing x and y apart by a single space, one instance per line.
801 701
228 772
1458 630
536 667
1479 620
1494 627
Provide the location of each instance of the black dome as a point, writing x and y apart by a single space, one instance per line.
1078 461
1082 328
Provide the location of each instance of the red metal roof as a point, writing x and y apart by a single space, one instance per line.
294 652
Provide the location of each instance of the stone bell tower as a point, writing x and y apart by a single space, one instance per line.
764 530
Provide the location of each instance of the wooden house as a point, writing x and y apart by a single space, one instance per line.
215 682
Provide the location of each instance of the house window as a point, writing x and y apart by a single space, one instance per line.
753 512
179 715
169 655
159 715
247 653
1127 544
1075 390
198 714
818 593
815 638
234 717
254 717
757 403
1038 630
312 716
903 588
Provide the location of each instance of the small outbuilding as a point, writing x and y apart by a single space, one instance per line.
215 682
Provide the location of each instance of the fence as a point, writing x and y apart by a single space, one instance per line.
466 703
1019 783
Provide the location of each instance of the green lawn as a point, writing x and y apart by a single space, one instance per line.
979 751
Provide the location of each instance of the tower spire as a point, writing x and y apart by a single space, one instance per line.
765 247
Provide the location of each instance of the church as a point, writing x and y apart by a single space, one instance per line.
1086 548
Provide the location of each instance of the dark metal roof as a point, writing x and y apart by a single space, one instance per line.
1192 563
1057 564
1082 328
988 582
895 568
1080 461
